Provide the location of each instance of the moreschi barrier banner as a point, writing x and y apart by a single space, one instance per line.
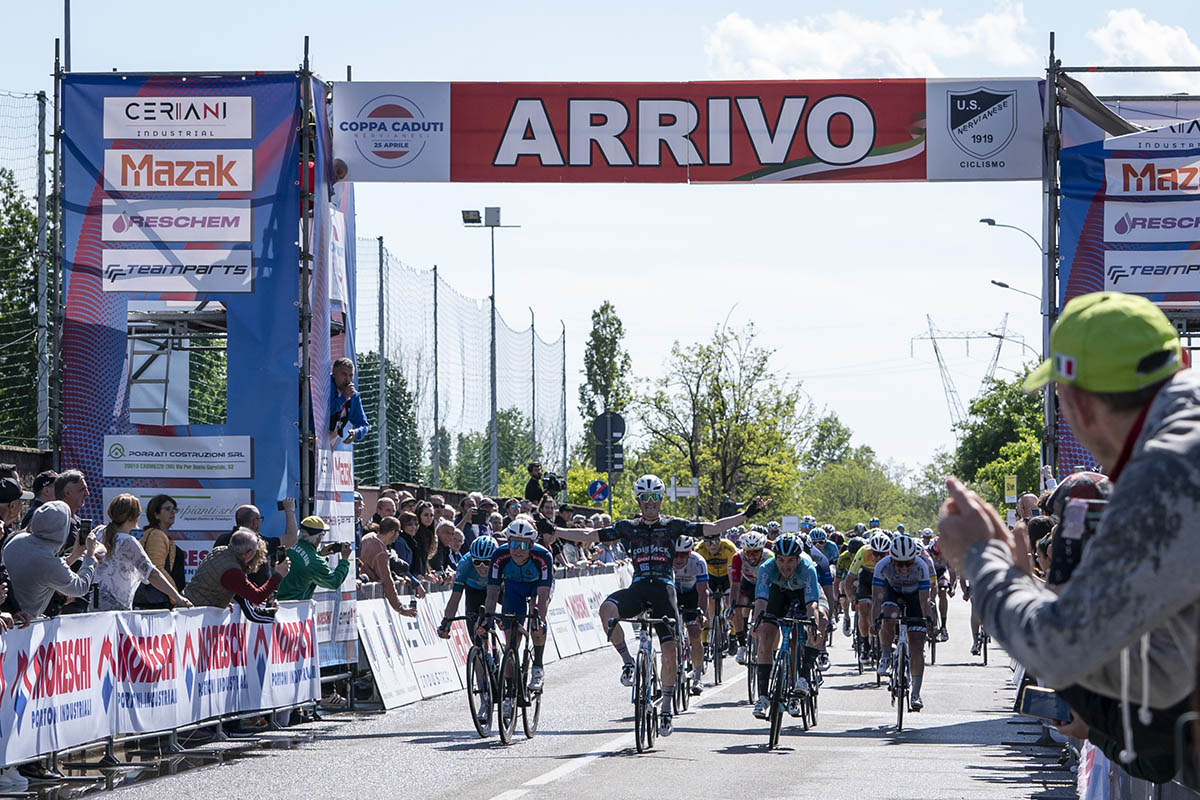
698 132
80 678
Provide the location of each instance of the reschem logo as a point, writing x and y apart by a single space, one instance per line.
391 131
173 221
1151 222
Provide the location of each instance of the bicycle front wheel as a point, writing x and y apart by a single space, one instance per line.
900 670
778 673
510 678
719 642
531 709
985 644
479 692
752 668
641 703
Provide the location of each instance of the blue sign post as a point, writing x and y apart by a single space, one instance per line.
598 490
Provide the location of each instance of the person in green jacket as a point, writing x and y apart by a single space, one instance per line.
309 569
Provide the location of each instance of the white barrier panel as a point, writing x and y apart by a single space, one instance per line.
583 619
80 678
379 630
429 655
560 623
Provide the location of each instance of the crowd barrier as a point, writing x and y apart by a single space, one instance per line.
84 678
410 662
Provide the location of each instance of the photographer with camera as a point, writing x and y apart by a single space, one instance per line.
309 567
1127 617
474 517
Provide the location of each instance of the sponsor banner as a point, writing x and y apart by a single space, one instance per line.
1180 136
1152 271
184 271
987 129
379 631
194 551
768 131
428 653
196 509
1165 222
583 620
177 457
336 471
80 678
559 622
1151 177
149 221
179 170
339 291
209 117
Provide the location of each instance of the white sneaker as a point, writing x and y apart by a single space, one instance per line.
793 707
915 703
507 709
760 707
741 654
697 687
13 781
802 686
536 679
665 726
627 674
885 664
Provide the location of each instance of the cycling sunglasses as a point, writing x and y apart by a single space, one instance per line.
521 544
480 562
711 538
650 497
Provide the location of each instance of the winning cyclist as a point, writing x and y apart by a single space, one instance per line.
527 572
691 582
650 542
788 577
901 587
743 573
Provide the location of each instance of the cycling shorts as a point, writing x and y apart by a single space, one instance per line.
659 595
862 591
841 574
718 584
780 601
747 589
689 605
517 595
473 599
909 604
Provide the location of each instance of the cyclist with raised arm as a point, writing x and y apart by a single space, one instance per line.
691 582
743 574
526 570
787 577
650 542
900 587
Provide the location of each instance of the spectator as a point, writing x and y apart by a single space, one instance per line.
375 566
11 496
471 519
43 492
162 551
401 548
223 576
251 519
438 502
418 560
1027 506
548 531
446 554
533 489
1129 610
346 417
9 471
497 522
71 487
359 505
125 565
36 571
426 535
384 507
309 567
512 509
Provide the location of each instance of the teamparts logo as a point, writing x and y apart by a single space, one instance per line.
390 130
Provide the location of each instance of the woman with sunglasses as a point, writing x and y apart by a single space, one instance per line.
650 541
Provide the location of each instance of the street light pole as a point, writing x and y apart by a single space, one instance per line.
1004 285
991 222
1036 354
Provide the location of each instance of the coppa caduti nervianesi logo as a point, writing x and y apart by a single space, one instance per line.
390 131
982 121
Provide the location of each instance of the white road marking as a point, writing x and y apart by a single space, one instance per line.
511 794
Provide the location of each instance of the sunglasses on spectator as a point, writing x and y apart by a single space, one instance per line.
480 562
650 497
521 544
410 522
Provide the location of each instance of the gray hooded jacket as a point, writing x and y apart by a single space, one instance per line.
1136 585
34 568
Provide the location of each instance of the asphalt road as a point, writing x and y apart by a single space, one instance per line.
965 744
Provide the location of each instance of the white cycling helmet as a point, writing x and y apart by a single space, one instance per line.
904 548
521 528
754 541
880 542
684 544
649 483
772 527
899 527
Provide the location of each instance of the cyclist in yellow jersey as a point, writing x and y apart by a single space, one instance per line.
719 553
860 574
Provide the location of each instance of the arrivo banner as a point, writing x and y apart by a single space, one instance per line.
700 132
80 678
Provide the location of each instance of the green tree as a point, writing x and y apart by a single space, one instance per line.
829 442
208 381
18 309
1000 436
854 490
404 455
606 367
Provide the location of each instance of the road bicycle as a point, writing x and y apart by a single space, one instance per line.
683 685
784 671
646 683
718 637
866 650
983 644
900 675
511 686
751 660
483 676
931 636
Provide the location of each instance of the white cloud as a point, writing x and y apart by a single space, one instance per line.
1130 38
842 45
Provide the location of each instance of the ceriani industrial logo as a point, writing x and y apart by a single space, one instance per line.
178 117
383 131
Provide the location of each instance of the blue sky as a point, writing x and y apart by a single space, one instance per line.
836 278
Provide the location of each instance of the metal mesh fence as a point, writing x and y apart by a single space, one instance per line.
23 367
436 357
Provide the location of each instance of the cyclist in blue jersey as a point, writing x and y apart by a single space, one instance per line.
787 577
691 582
650 542
470 578
820 539
900 587
826 602
527 572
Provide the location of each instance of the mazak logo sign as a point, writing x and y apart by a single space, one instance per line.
392 131
982 121
178 118
1160 177
1151 222
1152 272
186 271
179 170
149 221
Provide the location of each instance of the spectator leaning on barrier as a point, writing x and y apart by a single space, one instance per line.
399 545
346 417
35 569
251 519
162 551
43 492
1128 614
125 565
445 557
418 557
309 567
71 487
375 565
223 576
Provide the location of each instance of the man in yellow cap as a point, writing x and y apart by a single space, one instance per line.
1117 365
309 568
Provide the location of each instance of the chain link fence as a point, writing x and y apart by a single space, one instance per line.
24 368
436 396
